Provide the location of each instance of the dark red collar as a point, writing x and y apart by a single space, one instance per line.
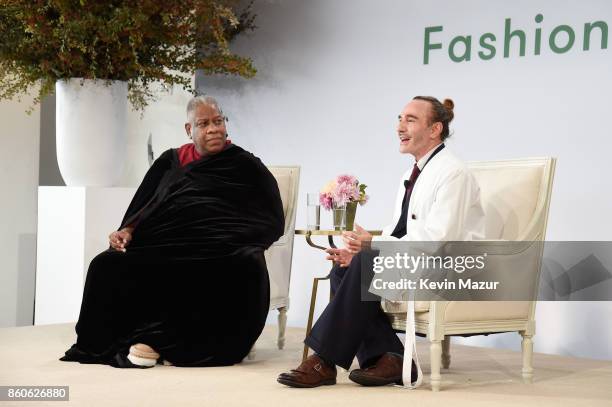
188 153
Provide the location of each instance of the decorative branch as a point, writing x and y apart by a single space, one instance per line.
142 42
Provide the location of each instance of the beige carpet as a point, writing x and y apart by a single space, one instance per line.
477 377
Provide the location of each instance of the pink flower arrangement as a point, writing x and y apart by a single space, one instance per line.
342 190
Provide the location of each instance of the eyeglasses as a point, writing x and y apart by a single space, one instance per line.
217 121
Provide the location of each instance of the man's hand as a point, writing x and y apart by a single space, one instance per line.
340 256
121 238
357 240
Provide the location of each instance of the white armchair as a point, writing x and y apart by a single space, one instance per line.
279 255
516 198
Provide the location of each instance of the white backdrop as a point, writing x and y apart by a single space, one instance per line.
19 151
333 75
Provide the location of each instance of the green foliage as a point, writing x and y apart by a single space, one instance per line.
139 41
363 197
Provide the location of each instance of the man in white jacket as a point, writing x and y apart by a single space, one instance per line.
438 200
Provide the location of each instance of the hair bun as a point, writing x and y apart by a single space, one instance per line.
449 104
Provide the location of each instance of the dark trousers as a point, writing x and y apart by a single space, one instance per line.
353 324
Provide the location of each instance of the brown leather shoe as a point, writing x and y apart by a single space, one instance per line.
313 372
387 370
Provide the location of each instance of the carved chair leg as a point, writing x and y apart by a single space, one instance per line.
527 347
435 351
446 359
282 324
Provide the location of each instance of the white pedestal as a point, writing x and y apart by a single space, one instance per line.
73 227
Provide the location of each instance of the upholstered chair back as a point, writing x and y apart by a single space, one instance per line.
513 194
279 255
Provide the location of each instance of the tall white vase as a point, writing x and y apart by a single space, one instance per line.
91 131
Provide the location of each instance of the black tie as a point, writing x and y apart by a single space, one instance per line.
400 228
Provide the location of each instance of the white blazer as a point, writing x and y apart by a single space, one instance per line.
444 206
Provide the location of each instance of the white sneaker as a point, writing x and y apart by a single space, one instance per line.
143 355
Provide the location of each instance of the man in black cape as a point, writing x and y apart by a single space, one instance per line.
185 274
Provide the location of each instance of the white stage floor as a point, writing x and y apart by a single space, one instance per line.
477 377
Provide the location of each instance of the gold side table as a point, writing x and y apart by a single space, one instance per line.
315 282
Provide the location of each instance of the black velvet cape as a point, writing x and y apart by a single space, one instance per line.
193 283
